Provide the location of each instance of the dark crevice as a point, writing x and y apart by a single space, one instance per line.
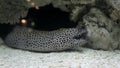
50 18
5 29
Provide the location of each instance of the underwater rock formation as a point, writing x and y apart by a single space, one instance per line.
114 10
114 3
102 32
44 41
11 11
101 18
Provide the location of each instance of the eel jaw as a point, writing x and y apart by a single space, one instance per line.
79 43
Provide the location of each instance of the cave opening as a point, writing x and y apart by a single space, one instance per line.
49 18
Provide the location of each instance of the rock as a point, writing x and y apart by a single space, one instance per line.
115 15
11 11
102 32
114 3
115 12
76 13
41 2
69 5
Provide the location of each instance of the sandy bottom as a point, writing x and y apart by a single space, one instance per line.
88 58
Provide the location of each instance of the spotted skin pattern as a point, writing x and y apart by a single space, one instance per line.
44 41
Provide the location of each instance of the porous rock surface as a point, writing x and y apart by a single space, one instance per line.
103 32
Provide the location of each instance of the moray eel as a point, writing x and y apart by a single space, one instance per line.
44 41
52 31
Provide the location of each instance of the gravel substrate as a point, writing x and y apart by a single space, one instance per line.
87 58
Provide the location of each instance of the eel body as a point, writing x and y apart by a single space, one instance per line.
45 41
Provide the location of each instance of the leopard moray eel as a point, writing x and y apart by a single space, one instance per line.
27 38
45 41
